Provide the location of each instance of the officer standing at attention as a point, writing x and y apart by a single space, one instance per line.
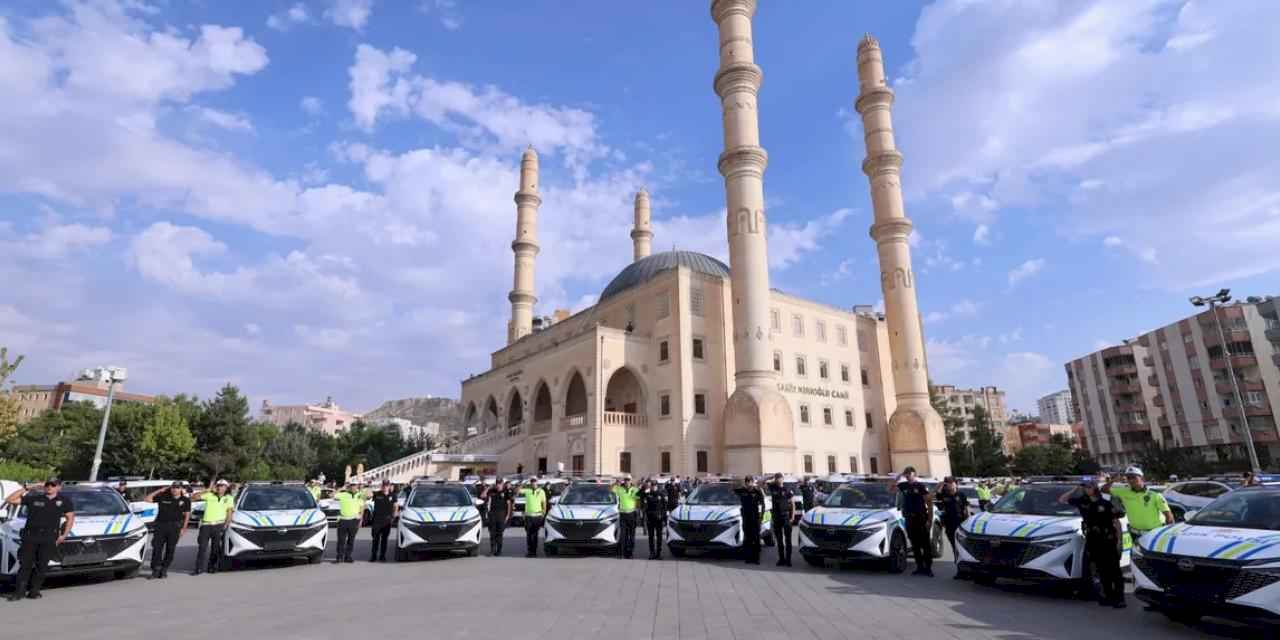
313 488
917 508
44 531
350 510
627 496
784 513
984 497
1146 508
654 500
535 512
806 494
172 516
499 503
955 510
673 493
1102 538
385 512
218 507
752 515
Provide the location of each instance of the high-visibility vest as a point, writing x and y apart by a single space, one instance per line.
216 508
626 498
349 504
535 501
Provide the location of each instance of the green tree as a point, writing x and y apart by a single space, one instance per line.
166 441
20 472
987 446
121 455
1043 459
1160 461
59 440
220 430
291 453
8 404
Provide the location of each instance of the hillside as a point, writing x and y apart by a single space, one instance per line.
445 411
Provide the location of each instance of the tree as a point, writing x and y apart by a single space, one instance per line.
957 443
220 429
1161 461
121 455
291 453
1043 459
19 472
8 403
61 440
987 446
166 440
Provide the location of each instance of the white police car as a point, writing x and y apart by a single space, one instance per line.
275 520
135 493
585 517
1224 561
710 519
1029 535
438 516
860 521
107 538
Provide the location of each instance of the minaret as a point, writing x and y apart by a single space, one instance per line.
916 433
758 431
525 246
642 233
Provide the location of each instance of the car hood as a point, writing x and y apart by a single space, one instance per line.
93 526
277 518
1014 525
1223 543
848 517
706 513
421 515
583 512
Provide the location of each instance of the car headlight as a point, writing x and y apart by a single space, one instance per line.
872 526
241 527
611 519
1054 543
136 535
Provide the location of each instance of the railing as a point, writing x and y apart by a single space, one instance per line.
515 429
540 426
1237 360
573 422
619 419
408 465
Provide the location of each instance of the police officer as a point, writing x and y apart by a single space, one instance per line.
984 496
784 513
350 511
917 508
535 513
385 512
218 507
1145 508
1103 536
806 494
752 515
313 487
673 493
44 531
653 498
955 509
627 496
172 516
499 503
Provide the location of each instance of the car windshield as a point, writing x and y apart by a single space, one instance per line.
588 494
1242 509
718 494
1036 500
861 495
474 490
275 499
440 496
97 503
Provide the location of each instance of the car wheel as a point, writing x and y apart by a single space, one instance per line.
401 554
550 550
937 542
814 561
897 560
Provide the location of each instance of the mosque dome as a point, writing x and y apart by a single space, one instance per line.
647 268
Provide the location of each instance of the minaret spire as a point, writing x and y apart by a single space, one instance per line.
525 247
916 433
758 431
642 233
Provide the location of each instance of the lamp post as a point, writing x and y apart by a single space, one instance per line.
1222 297
114 375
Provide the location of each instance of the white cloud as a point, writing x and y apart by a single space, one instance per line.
284 20
1010 337
54 241
447 10
1112 241
1145 254
962 308
787 243
323 337
252 329
1025 270
1177 93
349 13
312 105
914 238
222 119
982 235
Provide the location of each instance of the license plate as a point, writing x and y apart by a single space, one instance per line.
280 545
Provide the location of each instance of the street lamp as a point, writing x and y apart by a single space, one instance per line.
114 375
1222 297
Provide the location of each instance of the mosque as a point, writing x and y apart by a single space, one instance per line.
686 365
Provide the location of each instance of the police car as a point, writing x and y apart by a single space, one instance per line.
275 520
710 519
438 516
107 538
861 521
1224 561
136 491
584 518
1029 535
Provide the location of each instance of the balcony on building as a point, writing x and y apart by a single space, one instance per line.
1238 361
1153 380
1273 330
623 401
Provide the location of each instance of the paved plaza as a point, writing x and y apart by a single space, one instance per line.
568 597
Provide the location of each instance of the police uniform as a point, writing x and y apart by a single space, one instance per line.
655 512
384 510
1145 508
627 518
213 529
1102 543
673 495
171 515
984 497
350 510
39 540
535 513
806 495
917 509
752 514
954 509
497 503
781 496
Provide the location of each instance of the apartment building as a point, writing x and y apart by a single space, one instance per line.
959 403
1056 408
1171 386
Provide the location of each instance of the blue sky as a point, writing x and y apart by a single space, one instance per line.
314 198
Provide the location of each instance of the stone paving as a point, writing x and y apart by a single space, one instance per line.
568 597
